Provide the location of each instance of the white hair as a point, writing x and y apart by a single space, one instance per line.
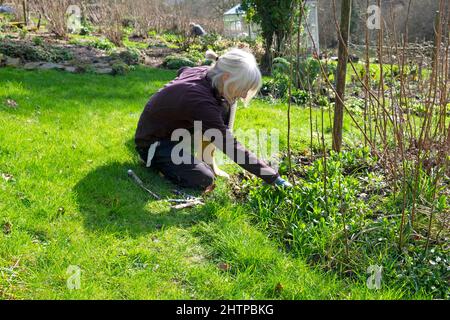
242 68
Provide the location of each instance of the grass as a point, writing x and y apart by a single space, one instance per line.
65 200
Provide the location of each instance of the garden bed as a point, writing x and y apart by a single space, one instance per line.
351 221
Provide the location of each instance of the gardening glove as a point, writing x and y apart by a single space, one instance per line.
282 183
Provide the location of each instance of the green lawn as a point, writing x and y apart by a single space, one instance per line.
69 202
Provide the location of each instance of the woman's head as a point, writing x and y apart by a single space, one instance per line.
235 74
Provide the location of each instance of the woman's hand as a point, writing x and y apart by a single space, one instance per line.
282 183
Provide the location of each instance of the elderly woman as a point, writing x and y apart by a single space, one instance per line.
205 98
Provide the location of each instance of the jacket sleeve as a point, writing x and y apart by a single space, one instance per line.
215 129
180 71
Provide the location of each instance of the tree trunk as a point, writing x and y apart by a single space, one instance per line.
25 12
266 64
346 10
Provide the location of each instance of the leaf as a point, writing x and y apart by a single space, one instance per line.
11 103
209 189
7 228
278 288
224 266
8 177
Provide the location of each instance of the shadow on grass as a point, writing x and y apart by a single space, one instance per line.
111 202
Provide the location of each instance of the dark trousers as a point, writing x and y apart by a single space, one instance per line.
194 174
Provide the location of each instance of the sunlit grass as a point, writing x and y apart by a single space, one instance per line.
68 202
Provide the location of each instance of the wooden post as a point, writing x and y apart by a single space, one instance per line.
346 10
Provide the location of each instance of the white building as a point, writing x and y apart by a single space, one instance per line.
312 24
235 25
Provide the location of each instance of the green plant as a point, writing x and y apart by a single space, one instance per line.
130 56
351 224
299 96
281 65
23 33
102 44
176 62
194 53
309 70
83 67
38 41
28 52
277 87
212 41
5 18
171 37
86 27
120 69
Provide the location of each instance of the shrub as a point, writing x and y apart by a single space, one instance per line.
212 41
128 22
309 70
101 44
86 27
54 13
130 56
281 65
83 66
23 33
195 57
28 52
5 18
277 87
176 62
330 70
171 38
97 43
120 69
38 41
299 96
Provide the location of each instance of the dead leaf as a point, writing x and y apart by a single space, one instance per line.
11 103
209 189
8 177
279 288
155 239
7 228
224 266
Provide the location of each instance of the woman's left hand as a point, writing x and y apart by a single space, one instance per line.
282 183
